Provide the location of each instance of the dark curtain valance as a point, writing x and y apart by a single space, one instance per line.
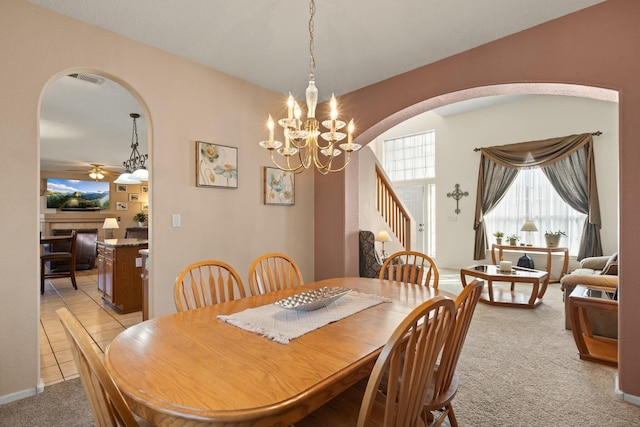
569 165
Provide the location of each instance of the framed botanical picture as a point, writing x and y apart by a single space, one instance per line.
216 165
145 206
121 188
134 197
279 187
122 206
144 188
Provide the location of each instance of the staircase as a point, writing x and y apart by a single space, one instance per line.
392 210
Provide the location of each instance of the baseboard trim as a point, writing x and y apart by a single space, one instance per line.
625 396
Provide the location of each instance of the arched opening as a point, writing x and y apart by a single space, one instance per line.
85 124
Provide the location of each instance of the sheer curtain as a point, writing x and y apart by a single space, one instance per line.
532 197
569 164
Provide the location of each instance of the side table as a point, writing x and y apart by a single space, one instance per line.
592 347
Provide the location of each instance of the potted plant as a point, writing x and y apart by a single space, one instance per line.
498 235
141 217
553 238
513 239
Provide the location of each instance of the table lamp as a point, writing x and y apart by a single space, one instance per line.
383 236
108 226
529 226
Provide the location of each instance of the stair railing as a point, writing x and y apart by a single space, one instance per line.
392 210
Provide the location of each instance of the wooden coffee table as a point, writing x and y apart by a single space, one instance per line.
510 296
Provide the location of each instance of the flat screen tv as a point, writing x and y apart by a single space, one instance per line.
77 195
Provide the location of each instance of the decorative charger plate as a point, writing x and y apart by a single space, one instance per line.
312 300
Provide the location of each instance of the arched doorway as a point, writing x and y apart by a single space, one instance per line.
85 121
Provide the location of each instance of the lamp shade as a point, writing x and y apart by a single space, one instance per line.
140 174
383 236
529 226
110 223
126 178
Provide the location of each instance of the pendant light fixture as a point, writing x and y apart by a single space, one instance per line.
135 169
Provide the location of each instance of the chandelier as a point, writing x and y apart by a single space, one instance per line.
135 170
301 139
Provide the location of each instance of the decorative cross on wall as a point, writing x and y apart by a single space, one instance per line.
457 195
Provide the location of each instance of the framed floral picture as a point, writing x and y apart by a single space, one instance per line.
216 165
279 187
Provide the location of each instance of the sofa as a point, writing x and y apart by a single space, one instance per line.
596 272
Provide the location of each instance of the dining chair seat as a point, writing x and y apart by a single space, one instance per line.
206 283
67 256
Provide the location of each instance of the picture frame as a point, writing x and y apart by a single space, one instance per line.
144 188
279 187
122 206
216 165
145 206
121 188
134 197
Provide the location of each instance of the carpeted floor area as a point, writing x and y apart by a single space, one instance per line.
519 367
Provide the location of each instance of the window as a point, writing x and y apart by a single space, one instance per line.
410 163
410 157
532 197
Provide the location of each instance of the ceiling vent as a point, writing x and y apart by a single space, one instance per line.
88 78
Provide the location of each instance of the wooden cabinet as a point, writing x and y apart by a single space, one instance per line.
120 273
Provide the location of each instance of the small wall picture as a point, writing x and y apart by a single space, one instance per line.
144 188
134 197
216 165
145 206
121 188
279 187
122 206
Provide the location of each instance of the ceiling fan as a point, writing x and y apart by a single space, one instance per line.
96 171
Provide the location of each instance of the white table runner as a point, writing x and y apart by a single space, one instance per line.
282 325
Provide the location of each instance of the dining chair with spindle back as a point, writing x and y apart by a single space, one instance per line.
273 271
444 383
107 404
407 362
411 267
205 283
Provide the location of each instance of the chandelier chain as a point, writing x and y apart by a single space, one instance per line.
312 59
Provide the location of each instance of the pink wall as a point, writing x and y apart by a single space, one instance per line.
593 47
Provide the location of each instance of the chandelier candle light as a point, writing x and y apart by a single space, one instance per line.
303 139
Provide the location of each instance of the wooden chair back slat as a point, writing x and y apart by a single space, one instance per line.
206 283
273 271
411 267
107 404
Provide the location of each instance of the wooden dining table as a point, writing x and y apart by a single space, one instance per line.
193 369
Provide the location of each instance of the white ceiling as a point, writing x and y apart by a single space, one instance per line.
266 42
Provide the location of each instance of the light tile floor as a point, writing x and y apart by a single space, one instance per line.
99 319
